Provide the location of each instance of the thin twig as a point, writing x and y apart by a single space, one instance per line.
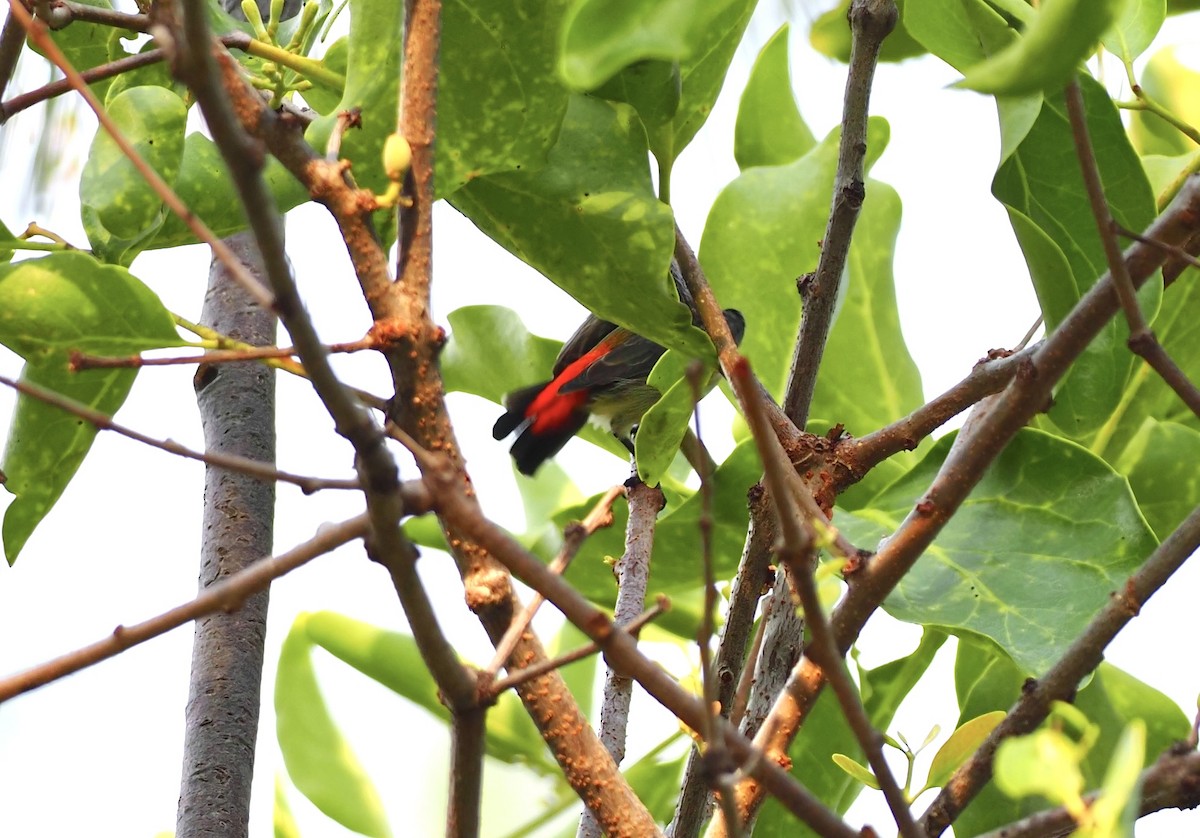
990 375
521 676
870 22
1090 169
242 465
79 361
38 34
64 12
226 595
573 537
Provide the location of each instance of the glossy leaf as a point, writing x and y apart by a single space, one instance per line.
152 119
763 232
319 761
652 87
591 223
1135 28
499 102
769 129
1049 51
203 184
49 307
1032 527
830 35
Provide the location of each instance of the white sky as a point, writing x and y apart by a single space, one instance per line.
99 753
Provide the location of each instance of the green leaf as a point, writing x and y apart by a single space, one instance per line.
499 104
1176 87
1159 462
986 679
960 32
394 660
318 759
763 232
1047 516
152 119
600 38
490 353
372 85
48 307
1116 809
769 129
320 98
830 35
156 74
1045 762
590 222
1048 53
656 780
1040 185
7 240
285 823
663 426
1135 28
653 88
858 773
965 740
203 184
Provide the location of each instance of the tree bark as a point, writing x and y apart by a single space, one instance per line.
237 408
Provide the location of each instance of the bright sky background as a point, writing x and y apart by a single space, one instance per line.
99 754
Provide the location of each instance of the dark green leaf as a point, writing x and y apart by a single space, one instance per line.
152 119
652 87
318 759
88 45
1042 188
1048 516
590 222
769 129
48 307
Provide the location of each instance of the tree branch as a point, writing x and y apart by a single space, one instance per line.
243 465
227 595
1013 407
633 574
1062 680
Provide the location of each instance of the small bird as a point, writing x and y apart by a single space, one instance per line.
600 372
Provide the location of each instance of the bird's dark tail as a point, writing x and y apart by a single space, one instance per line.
532 448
